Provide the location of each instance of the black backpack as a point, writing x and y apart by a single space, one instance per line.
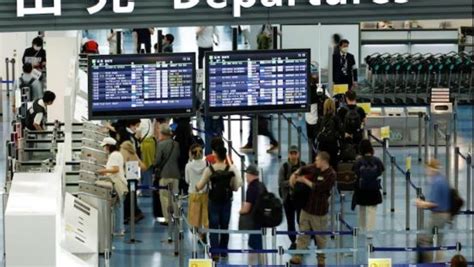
352 121
27 86
328 134
268 210
369 173
456 202
219 188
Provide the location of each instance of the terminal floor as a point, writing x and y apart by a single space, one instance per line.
155 251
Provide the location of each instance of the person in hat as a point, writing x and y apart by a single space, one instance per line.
292 213
167 170
254 189
439 202
114 169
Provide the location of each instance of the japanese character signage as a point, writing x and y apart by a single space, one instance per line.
238 5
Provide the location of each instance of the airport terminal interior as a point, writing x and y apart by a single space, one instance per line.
108 133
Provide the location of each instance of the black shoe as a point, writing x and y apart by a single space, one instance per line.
224 255
164 223
139 217
292 247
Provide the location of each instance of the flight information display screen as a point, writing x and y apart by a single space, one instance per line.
141 86
241 82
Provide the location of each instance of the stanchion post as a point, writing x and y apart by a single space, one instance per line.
355 233
133 193
7 69
230 144
455 129
242 175
435 241
279 135
289 132
241 125
175 215
448 156
255 139
299 138
339 238
333 203
407 201
170 213
456 168
420 130
280 255
229 127
469 181
206 251
419 211
435 136
427 135
392 184
274 245
384 158
194 241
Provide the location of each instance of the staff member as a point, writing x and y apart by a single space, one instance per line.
344 66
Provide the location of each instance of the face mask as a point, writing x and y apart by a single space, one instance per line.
36 48
345 50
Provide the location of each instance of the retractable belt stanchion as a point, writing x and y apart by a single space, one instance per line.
274 245
229 128
456 168
392 184
407 200
355 233
241 125
255 139
289 132
435 136
420 130
170 212
176 215
242 173
333 204
7 70
299 138
448 156
469 181
279 135
133 193
194 243
339 238
435 241
455 128
420 215
427 135
384 159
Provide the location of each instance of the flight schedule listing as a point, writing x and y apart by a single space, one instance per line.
258 81
143 83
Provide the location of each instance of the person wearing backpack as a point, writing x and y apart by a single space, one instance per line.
30 83
329 133
439 202
167 170
286 192
222 179
320 177
367 195
254 189
353 119
37 113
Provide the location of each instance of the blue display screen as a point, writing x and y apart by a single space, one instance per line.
141 85
257 81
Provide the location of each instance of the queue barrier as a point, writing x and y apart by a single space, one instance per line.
456 247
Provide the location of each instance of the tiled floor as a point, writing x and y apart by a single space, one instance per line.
155 251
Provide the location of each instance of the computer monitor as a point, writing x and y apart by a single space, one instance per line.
141 86
263 81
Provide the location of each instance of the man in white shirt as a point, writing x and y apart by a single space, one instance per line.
37 112
205 41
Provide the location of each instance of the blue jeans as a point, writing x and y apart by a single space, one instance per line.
219 218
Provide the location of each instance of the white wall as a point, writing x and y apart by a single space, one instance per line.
59 68
12 45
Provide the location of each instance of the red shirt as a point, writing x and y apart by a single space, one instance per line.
212 160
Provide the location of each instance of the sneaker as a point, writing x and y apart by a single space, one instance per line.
246 148
296 260
292 247
272 148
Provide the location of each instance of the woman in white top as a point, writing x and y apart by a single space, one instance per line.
114 169
198 200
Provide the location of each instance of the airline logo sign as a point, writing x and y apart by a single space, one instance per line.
237 5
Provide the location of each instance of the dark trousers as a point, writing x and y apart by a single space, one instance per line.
201 53
292 215
263 129
219 218
312 132
147 47
127 203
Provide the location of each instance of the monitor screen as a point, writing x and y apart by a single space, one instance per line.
141 86
261 81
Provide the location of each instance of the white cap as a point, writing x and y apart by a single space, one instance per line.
108 141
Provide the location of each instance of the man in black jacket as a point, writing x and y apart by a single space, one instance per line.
344 66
